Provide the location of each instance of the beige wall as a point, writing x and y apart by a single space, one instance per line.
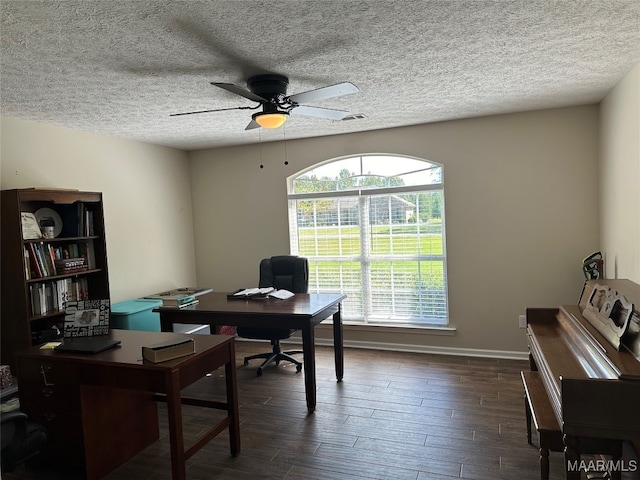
620 179
146 191
519 196
521 211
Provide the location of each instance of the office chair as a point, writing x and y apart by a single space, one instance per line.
21 439
287 272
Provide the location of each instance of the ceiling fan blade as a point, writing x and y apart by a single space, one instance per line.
209 111
228 52
322 93
243 92
252 124
215 42
319 112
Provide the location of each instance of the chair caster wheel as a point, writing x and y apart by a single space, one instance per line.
246 362
259 372
298 368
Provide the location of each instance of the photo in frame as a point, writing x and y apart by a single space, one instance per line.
30 227
86 318
609 312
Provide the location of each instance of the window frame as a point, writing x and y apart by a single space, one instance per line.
365 257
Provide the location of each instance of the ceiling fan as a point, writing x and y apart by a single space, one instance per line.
270 91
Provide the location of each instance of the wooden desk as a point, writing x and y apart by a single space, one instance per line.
302 312
101 409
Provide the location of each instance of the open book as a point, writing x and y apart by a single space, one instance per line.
263 292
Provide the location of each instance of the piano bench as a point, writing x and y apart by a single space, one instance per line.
538 410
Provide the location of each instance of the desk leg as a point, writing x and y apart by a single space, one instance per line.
232 401
166 325
176 436
338 349
309 356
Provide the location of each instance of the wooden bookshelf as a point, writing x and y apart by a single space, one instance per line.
29 264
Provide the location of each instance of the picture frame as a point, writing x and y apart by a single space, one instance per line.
86 318
30 227
609 312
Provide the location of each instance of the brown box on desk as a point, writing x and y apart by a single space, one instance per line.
162 352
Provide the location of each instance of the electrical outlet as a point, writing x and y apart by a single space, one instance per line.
522 321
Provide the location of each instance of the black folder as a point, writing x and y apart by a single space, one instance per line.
87 344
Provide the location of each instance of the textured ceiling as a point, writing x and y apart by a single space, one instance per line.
121 67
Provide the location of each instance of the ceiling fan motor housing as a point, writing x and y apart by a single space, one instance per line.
269 86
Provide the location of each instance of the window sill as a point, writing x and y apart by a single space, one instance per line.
413 329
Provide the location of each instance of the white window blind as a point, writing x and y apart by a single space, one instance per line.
381 242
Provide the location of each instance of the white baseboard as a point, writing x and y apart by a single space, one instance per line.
462 352
398 347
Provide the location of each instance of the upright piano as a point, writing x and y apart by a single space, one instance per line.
588 356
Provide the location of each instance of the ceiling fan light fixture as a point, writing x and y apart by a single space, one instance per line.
270 120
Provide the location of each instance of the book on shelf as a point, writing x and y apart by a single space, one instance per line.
27 263
38 299
77 220
89 254
161 352
41 259
45 259
36 272
51 258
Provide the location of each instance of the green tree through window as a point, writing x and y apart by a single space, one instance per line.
372 227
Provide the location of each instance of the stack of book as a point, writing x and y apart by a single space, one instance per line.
179 300
179 297
195 291
70 265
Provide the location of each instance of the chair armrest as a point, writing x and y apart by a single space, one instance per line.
21 439
14 416
14 430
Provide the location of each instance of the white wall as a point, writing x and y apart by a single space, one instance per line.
620 178
521 211
146 192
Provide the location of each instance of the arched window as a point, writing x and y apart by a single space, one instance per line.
372 227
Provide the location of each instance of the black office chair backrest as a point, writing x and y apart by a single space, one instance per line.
288 272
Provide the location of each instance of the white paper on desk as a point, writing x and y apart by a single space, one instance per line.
281 294
247 292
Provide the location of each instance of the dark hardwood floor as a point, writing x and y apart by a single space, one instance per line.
400 416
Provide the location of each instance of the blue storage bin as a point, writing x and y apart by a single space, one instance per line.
136 315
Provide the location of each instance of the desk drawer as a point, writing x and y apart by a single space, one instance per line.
50 395
90 427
